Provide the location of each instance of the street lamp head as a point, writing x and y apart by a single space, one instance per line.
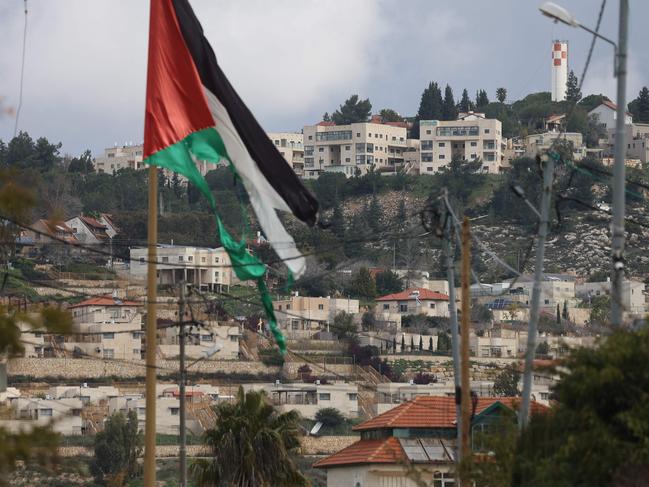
558 14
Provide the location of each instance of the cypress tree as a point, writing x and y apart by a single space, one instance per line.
573 94
466 105
449 110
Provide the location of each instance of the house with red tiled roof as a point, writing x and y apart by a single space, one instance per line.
606 113
416 436
88 230
107 220
412 301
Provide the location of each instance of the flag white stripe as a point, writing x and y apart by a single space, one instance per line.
263 197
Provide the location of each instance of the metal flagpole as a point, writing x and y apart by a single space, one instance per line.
455 347
619 170
152 283
183 372
465 446
548 175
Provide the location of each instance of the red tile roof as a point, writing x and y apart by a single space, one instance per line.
611 105
92 222
433 412
366 451
326 124
409 295
53 227
105 301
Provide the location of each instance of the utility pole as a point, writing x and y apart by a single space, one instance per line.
465 446
151 332
181 387
619 170
455 345
548 176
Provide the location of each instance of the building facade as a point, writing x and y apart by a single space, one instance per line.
353 149
291 146
540 143
470 137
206 268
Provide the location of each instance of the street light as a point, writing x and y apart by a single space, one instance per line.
560 14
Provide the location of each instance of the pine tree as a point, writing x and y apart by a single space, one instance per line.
430 344
501 95
374 214
481 99
338 220
326 117
643 105
421 344
465 105
412 343
403 343
573 94
352 111
449 110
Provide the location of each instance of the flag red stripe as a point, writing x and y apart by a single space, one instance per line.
175 103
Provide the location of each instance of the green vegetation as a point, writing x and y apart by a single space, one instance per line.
252 444
506 382
117 448
352 111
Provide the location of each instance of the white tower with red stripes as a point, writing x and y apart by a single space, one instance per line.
559 70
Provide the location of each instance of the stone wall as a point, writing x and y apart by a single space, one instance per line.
80 368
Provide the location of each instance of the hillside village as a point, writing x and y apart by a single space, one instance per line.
160 320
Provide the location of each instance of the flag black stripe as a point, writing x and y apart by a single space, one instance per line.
262 150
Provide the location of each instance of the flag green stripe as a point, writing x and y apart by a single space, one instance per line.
207 145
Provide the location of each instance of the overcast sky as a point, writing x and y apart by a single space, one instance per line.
293 60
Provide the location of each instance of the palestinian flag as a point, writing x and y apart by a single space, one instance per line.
194 113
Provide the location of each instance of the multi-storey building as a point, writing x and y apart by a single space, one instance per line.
106 327
540 143
303 316
633 294
130 156
470 137
353 149
290 145
205 268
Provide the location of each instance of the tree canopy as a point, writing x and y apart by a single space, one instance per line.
352 111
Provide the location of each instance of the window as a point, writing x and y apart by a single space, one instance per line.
474 143
386 306
352 396
441 144
334 135
429 169
486 131
108 336
137 335
141 260
426 145
190 258
174 411
431 305
320 149
358 134
109 353
547 301
348 147
180 258
203 259
403 308
443 479
324 396
544 396
216 275
141 410
428 132
427 157
471 130
216 260
288 306
310 137
234 338
207 338
321 306
347 159
473 156
165 259
136 351
370 148
441 156
45 412
295 325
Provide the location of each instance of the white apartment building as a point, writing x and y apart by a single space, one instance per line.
224 336
291 146
307 399
633 294
539 143
63 415
106 327
470 137
87 395
303 316
130 156
556 289
353 149
207 269
606 113
167 413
